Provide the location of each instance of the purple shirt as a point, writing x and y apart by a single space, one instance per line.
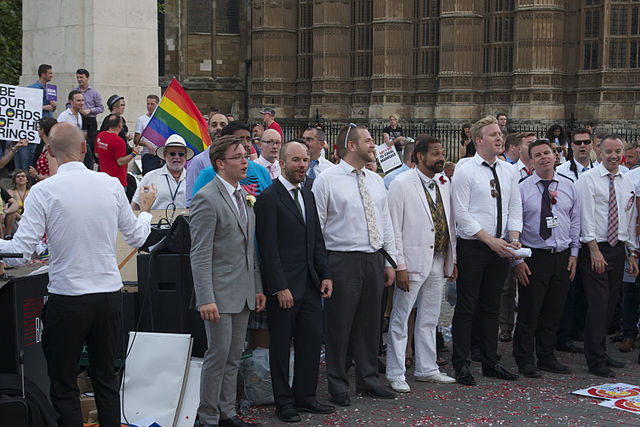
567 209
195 165
92 101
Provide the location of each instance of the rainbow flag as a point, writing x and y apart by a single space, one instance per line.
177 113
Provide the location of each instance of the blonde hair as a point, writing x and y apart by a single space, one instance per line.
476 129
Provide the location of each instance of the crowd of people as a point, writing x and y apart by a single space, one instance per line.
299 250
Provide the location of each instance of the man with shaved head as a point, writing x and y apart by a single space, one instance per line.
81 211
271 144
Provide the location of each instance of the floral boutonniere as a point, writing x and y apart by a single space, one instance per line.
554 195
250 200
442 179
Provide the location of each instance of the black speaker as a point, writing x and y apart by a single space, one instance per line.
21 302
165 288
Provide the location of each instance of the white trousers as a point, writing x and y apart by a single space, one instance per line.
428 296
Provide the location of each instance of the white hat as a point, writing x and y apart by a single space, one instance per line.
175 140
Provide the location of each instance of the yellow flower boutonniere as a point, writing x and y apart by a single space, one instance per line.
250 200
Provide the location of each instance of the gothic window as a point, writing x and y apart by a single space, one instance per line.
592 30
199 16
426 37
227 17
305 39
361 38
499 23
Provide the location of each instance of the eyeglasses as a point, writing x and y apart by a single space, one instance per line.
582 141
177 153
346 137
272 141
494 190
239 157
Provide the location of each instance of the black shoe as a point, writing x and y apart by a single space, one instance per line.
497 371
617 337
236 422
552 365
316 408
602 370
379 392
464 377
382 365
613 363
505 336
288 414
475 354
341 399
569 347
529 371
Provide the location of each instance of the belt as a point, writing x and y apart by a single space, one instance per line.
552 251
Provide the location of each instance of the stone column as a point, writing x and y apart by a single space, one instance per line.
116 40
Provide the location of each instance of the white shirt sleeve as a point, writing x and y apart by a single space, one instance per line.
587 210
514 221
461 189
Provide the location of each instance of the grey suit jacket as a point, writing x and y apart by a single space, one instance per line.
223 251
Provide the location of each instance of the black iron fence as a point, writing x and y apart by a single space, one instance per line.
449 134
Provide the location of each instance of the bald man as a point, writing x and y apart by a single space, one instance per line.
271 144
216 123
84 291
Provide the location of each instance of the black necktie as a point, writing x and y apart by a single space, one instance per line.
498 233
295 199
545 211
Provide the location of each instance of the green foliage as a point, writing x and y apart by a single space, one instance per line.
10 41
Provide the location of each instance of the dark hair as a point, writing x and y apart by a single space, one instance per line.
82 71
219 147
74 93
352 133
213 109
423 143
579 131
612 136
46 123
233 127
501 114
319 132
589 123
511 140
541 141
563 136
152 96
113 120
463 136
43 68
15 174
601 135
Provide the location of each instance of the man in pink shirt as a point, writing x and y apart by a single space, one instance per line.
271 144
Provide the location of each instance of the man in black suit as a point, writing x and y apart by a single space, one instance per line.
296 278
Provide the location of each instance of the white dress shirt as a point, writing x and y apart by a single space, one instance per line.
290 187
520 170
565 169
168 189
475 208
68 116
426 181
273 168
323 165
81 212
141 124
231 189
341 210
593 189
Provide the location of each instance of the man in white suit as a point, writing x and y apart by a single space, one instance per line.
420 207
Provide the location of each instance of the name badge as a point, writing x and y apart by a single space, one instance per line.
552 221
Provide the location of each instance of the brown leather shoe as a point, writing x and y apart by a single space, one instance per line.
627 345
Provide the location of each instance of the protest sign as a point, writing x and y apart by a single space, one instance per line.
631 404
20 110
388 157
610 391
52 92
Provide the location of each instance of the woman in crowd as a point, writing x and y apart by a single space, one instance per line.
46 165
558 137
18 194
467 147
116 106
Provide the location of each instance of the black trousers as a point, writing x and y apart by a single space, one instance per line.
303 324
481 276
90 124
540 306
630 304
602 292
69 322
354 309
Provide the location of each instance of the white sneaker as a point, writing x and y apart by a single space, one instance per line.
437 378
400 386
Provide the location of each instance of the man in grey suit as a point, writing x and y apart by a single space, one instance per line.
226 277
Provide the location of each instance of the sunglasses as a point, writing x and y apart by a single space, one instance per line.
177 153
346 138
559 150
582 141
494 190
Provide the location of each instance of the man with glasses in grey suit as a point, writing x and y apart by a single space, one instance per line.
226 277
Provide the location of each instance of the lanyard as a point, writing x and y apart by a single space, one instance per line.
175 193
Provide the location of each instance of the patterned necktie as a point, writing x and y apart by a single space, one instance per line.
369 211
295 199
612 226
312 173
240 203
438 215
545 211
498 198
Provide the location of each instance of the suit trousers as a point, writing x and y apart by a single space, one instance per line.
69 322
303 324
428 295
218 381
508 303
481 276
630 304
603 292
353 309
540 306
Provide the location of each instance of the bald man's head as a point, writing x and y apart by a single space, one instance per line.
67 142
271 134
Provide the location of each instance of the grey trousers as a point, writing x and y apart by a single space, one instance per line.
508 303
354 310
218 382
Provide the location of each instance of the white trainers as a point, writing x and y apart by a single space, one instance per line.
400 386
437 378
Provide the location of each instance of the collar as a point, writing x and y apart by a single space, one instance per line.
230 188
348 168
71 166
289 186
536 178
267 161
478 160
509 160
424 178
604 172
164 170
